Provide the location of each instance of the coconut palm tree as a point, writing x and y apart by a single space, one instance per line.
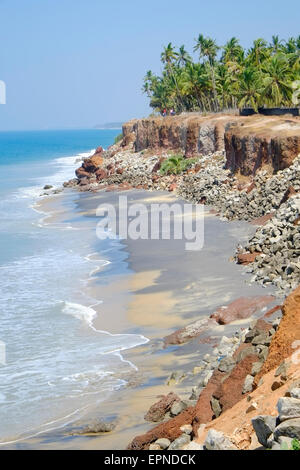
277 81
208 48
183 57
250 86
231 51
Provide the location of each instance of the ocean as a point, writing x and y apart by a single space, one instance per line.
57 364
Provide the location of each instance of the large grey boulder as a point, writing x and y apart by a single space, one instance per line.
288 408
181 441
295 393
248 384
264 426
216 440
289 428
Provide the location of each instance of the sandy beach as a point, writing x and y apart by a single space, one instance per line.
153 299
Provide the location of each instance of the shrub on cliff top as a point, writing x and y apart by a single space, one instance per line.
176 164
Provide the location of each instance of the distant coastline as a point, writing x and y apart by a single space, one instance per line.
109 126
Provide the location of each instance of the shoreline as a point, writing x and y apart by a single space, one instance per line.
188 356
135 171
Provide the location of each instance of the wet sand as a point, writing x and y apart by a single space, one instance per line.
164 288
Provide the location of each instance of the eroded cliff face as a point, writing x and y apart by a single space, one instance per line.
189 134
251 143
262 142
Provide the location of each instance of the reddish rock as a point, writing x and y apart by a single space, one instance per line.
120 171
101 174
278 308
250 188
296 222
172 187
158 164
99 150
170 430
247 258
158 410
289 193
230 391
262 220
240 309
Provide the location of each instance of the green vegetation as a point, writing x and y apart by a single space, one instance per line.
295 445
225 77
176 164
118 138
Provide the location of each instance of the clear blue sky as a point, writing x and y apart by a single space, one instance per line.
76 63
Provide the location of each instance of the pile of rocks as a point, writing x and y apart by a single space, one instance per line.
215 186
278 243
278 433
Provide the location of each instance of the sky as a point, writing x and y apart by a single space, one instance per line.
79 63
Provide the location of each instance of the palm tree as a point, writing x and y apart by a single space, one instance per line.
207 47
231 51
250 85
276 45
277 83
259 52
168 57
183 57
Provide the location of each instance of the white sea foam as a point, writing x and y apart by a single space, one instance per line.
86 314
65 170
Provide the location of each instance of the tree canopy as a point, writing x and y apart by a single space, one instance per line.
226 77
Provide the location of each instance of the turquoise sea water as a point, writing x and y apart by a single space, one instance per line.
57 364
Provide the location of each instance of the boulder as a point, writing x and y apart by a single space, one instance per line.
158 410
216 440
180 442
288 408
289 428
264 426
163 443
241 309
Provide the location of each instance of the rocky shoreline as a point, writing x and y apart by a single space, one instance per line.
268 199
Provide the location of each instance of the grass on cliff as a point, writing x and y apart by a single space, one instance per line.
118 139
176 164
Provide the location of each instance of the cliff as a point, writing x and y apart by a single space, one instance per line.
250 143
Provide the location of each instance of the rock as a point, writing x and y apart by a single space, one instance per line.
193 446
226 364
256 368
248 384
186 429
247 258
289 428
158 410
252 407
295 393
154 447
288 408
264 426
277 384
163 443
240 309
177 408
282 370
47 186
286 443
180 442
98 427
216 440
216 407
263 339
